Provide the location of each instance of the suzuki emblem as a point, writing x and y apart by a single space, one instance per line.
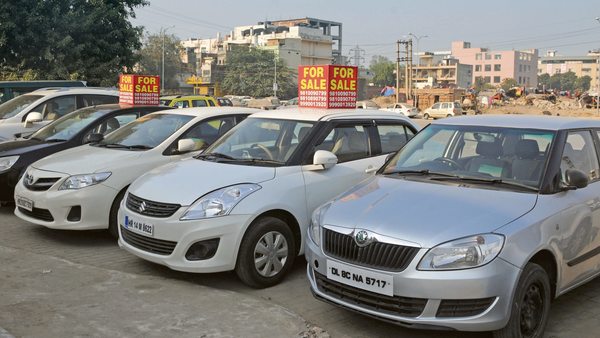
142 207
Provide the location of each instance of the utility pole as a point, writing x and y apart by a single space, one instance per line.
398 71
358 57
275 87
162 69
407 69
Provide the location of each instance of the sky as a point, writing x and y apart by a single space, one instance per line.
570 27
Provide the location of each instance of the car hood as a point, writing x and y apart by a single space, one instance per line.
22 146
185 181
426 213
86 159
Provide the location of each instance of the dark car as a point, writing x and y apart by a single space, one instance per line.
224 102
69 131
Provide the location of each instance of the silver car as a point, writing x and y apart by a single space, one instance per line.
476 225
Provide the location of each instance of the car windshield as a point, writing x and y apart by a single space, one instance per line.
67 126
260 141
146 132
487 155
13 107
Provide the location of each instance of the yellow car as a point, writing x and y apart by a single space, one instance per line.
185 101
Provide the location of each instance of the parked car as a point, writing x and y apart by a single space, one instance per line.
81 188
443 109
266 103
71 130
29 112
402 108
476 225
12 89
186 101
224 102
367 104
265 178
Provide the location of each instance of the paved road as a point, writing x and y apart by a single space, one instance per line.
576 314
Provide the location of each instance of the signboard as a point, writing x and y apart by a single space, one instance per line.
327 86
139 89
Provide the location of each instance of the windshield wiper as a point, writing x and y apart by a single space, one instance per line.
259 160
55 140
216 155
422 172
139 146
487 180
119 145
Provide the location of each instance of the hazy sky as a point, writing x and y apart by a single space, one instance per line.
567 26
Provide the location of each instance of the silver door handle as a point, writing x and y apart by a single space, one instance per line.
370 170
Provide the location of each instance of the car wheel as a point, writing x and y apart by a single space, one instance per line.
531 305
449 115
266 253
113 222
426 116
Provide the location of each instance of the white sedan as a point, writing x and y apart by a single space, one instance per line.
81 188
403 109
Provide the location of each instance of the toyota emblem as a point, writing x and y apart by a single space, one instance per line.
29 179
362 238
142 206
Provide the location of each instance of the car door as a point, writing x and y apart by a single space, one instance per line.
351 141
580 214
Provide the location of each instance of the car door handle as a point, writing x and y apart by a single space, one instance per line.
370 170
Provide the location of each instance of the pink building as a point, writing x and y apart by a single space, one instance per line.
495 66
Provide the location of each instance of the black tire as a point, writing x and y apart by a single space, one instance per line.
113 222
531 305
246 268
449 115
426 116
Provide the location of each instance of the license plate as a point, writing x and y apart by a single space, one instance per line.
139 227
24 203
360 278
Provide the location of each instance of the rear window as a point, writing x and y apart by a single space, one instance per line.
15 106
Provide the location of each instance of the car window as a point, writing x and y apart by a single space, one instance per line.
113 123
348 142
181 104
199 103
444 106
436 106
67 126
94 100
211 103
393 137
14 106
57 107
207 132
579 153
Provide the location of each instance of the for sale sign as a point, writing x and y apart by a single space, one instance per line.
327 86
139 89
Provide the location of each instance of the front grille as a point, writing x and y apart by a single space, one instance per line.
377 255
153 245
393 305
463 307
37 213
151 208
41 184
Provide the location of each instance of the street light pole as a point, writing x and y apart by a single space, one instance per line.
418 38
162 69
598 80
275 77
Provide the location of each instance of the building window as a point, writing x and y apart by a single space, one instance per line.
496 79
487 79
478 56
488 68
520 68
497 56
488 56
497 68
519 80
586 70
477 68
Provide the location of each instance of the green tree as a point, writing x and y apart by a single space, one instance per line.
151 54
383 70
544 80
250 71
567 81
90 40
508 83
583 83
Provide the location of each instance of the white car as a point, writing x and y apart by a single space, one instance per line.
81 188
443 109
29 112
402 108
245 203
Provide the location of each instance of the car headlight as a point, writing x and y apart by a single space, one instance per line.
82 181
219 202
316 221
463 253
7 162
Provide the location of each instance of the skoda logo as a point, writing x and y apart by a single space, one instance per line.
29 179
362 238
142 206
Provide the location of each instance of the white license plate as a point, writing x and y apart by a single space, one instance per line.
24 203
138 226
360 278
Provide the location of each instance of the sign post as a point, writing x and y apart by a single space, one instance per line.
139 89
327 86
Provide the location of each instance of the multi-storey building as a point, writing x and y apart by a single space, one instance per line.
448 72
583 65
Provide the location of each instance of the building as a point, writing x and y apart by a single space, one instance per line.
447 72
495 66
580 65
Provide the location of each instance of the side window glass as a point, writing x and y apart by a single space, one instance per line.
444 106
393 137
211 103
111 124
94 100
580 153
181 104
198 103
347 142
208 131
436 106
57 107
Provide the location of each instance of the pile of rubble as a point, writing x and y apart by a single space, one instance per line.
545 102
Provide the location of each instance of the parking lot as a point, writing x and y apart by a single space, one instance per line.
101 274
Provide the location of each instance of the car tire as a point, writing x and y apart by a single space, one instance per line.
530 306
449 115
113 222
270 241
426 116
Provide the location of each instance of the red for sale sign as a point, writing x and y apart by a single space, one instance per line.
139 89
327 86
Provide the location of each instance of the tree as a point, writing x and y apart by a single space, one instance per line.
250 71
383 70
583 83
480 84
151 54
90 40
508 83
544 80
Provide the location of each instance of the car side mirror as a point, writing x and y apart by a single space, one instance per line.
31 118
576 179
95 138
185 145
325 158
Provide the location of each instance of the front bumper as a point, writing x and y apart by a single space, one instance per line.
493 281
182 235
